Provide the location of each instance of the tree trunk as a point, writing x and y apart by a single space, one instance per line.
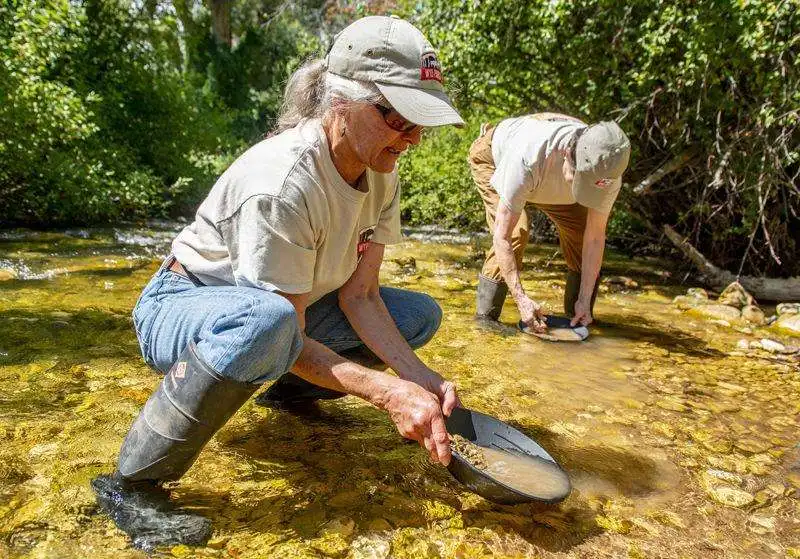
221 20
767 289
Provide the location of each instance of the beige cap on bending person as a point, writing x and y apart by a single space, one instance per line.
601 156
399 60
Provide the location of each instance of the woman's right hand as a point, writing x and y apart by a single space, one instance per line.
532 314
417 414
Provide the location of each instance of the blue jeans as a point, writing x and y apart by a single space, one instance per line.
252 335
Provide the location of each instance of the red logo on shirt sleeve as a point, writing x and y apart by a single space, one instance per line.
363 241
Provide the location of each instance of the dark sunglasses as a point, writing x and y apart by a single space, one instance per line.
395 120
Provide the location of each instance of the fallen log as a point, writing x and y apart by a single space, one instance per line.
763 289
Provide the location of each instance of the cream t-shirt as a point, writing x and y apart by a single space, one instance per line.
528 157
281 218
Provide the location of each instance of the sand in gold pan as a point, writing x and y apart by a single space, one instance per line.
471 452
529 474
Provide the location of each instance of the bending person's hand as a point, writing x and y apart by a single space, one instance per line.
532 314
583 314
417 414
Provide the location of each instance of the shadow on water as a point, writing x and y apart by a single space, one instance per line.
40 282
633 475
28 336
113 272
658 334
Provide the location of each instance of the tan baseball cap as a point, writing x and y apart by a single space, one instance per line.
399 60
601 156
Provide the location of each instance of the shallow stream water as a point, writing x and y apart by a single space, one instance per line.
677 445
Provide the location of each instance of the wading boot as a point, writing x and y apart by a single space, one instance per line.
292 393
572 291
188 407
490 298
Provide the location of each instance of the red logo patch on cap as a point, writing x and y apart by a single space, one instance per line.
602 183
430 68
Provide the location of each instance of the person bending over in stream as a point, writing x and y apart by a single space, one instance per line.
279 272
570 171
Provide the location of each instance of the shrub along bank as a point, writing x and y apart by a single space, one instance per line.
110 109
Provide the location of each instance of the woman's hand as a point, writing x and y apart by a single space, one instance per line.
417 414
443 389
532 314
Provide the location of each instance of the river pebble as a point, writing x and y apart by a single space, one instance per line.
729 496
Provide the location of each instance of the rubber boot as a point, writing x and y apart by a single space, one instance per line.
572 291
490 298
292 393
188 407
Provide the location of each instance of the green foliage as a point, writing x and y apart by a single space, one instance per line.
436 181
107 112
718 79
113 109
95 126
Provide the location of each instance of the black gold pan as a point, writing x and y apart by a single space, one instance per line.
486 431
558 330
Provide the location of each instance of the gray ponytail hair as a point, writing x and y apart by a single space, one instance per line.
311 92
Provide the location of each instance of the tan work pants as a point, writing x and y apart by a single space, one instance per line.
569 219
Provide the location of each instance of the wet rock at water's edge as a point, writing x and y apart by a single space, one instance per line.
733 304
718 312
736 296
787 308
754 315
789 322
694 297
697 293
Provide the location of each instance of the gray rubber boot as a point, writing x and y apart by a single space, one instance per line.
290 392
572 291
490 298
188 407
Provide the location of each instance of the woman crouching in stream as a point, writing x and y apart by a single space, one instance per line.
279 272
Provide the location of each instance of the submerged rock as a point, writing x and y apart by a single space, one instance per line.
718 312
621 282
370 547
759 524
730 496
684 302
